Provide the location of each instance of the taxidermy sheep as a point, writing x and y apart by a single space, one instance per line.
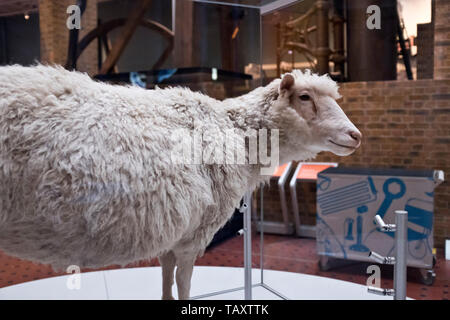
87 176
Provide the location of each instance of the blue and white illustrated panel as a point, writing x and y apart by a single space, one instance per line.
347 205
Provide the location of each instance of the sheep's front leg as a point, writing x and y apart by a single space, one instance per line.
185 266
168 263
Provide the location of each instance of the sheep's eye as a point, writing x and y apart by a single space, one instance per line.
304 97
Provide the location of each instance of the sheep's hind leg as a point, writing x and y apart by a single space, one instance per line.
185 266
168 263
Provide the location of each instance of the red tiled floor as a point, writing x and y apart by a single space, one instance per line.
299 255
280 253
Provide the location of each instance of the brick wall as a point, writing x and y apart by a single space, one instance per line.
55 34
53 31
425 50
87 62
405 124
442 39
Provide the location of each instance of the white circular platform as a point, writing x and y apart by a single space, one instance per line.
145 283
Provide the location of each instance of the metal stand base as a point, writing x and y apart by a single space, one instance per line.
263 285
261 247
247 233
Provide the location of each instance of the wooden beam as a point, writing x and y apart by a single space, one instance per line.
105 28
183 52
130 26
13 7
107 46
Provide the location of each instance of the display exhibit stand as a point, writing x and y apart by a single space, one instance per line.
399 260
264 8
247 234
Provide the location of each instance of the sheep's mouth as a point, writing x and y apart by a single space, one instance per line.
343 146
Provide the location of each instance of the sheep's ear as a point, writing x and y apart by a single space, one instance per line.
287 83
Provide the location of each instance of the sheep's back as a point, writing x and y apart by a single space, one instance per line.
86 172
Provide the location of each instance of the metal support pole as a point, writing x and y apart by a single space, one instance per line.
247 246
401 240
261 230
247 233
400 260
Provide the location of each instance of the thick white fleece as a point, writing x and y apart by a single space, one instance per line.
85 171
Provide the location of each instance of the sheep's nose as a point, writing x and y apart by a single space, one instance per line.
357 136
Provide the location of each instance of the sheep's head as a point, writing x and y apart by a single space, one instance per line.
312 121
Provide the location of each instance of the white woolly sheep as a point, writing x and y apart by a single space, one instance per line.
86 176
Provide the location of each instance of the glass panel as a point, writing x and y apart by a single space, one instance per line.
146 45
228 38
351 40
288 47
216 47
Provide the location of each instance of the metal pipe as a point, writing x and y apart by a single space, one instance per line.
380 259
246 209
323 47
338 37
261 231
382 225
401 241
381 291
